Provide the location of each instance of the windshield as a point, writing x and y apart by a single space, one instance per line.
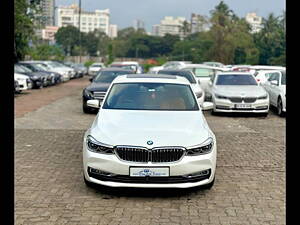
151 96
109 76
127 67
187 74
96 65
235 79
203 72
283 78
19 69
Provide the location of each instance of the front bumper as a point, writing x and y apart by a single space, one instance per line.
120 170
225 105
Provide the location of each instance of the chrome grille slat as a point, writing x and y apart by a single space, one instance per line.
99 95
156 155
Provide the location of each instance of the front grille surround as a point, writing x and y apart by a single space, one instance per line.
99 95
242 99
135 154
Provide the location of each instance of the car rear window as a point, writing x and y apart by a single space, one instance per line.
109 76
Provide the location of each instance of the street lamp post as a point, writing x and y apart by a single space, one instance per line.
79 31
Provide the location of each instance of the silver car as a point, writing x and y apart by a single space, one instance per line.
238 92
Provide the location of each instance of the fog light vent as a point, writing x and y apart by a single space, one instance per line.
99 172
199 174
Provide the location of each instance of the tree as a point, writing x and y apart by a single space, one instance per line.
68 38
271 40
23 32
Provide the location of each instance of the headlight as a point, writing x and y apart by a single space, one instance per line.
220 96
88 93
34 77
199 94
263 97
95 146
204 148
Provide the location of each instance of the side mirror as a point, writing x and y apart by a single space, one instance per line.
91 79
93 103
207 105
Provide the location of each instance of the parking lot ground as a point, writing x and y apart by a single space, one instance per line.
49 187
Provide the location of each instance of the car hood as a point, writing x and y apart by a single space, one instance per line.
239 90
164 128
98 86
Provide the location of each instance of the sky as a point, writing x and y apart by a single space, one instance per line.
124 12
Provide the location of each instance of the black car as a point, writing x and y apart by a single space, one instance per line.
37 79
100 83
52 77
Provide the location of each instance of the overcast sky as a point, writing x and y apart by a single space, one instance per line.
124 12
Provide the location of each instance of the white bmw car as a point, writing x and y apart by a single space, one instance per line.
149 133
238 92
276 87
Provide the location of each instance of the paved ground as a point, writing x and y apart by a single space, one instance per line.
49 189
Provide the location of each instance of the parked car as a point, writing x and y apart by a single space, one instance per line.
149 133
262 76
131 64
52 67
71 70
132 67
24 81
238 92
214 64
100 83
192 79
36 67
169 65
276 87
17 86
80 69
95 68
203 73
38 80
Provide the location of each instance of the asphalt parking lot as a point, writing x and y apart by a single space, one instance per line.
49 187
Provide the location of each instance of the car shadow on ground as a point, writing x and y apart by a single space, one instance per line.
109 192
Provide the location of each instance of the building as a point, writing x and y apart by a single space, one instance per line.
199 23
47 12
139 24
89 21
169 25
254 21
113 31
49 32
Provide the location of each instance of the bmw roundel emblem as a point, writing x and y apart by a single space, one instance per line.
150 142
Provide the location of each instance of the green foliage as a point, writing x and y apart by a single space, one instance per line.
46 52
68 37
88 63
23 31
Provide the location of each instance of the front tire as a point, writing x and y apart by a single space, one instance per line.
86 109
279 107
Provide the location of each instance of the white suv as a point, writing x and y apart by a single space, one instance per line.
150 132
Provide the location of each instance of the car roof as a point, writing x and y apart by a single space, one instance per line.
151 78
201 66
234 73
115 69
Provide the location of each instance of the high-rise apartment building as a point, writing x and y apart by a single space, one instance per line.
255 22
199 23
169 25
89 21
48 11
139 24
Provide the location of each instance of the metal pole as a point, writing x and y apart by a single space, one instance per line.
79 31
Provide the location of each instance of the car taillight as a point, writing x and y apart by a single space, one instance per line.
257 80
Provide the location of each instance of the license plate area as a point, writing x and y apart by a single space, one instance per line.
149 171
243 106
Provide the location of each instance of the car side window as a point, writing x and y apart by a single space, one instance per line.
274 76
